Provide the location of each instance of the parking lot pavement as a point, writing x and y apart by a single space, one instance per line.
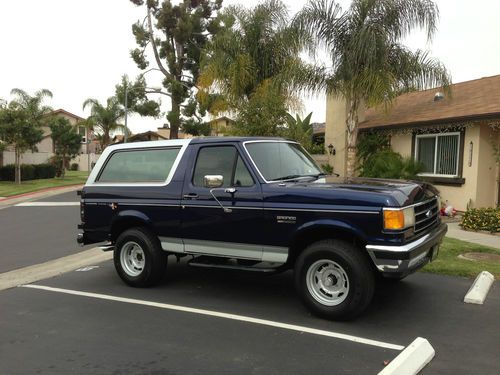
31 234
105 336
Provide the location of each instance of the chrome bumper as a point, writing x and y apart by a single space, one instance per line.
407 258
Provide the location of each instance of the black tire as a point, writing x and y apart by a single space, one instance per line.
347 284
145 261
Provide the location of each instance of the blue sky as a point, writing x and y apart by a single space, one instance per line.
80 48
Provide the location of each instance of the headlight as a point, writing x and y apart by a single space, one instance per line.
399 218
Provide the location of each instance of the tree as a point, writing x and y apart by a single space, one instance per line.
66 140
370 65
246 65
104 119
21 122
176 34
300 130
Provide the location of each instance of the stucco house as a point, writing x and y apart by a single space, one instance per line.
451 134
46 145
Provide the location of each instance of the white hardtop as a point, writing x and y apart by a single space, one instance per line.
147 144
182 143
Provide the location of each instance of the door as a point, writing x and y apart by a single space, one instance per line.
222 221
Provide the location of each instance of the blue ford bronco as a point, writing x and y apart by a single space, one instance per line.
262 205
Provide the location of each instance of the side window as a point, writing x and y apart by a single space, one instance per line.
242 176
224 161
149 165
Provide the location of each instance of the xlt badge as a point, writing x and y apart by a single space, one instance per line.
286 219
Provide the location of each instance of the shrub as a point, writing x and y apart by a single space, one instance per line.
327 168
487 219
28 172
45 171
74 167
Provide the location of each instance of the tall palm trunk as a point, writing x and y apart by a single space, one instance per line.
352 137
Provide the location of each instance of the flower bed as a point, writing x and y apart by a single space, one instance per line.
487 219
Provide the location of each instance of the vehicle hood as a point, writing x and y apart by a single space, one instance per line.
379 191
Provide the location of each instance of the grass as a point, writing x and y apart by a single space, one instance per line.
8 188
448 263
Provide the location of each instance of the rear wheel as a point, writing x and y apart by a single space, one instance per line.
139 259
334 280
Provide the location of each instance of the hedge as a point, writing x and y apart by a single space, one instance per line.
487 219
28 172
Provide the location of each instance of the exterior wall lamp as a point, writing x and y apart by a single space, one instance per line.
331 149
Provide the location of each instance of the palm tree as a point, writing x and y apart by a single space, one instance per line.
246 65
104 119
33 105
370 65
31 109
299 130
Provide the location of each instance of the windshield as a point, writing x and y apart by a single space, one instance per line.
282 160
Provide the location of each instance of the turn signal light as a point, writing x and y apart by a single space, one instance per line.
397 219
394 219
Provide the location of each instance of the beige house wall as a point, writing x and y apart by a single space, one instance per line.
335 133
481 186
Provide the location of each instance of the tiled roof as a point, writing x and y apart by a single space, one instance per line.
478 98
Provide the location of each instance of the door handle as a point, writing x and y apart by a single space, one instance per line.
190 196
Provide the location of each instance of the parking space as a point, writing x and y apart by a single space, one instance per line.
103 335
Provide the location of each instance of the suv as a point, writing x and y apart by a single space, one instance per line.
257 204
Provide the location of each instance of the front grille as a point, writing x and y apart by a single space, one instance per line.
426 215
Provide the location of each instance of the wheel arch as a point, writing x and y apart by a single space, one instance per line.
129 219
323 230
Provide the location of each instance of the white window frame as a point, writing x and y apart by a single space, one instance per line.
437 135
83 137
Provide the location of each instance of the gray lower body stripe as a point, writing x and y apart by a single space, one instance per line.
275 254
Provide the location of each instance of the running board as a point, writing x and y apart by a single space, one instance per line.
233 264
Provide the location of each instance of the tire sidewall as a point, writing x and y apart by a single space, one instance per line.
356 274
148 248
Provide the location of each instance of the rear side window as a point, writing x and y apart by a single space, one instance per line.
147 165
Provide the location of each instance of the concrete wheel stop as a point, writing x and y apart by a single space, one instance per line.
480 288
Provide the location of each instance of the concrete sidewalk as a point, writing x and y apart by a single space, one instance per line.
455 231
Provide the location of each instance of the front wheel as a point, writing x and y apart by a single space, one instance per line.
139 259
334 279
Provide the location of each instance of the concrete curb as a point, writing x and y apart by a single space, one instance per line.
411 360
479 288
53 268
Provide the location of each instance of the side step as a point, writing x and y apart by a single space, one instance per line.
234 264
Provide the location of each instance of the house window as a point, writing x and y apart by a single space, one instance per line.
439 153
82 131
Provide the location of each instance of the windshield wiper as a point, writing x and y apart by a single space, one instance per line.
296 176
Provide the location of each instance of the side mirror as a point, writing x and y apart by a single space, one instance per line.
213 181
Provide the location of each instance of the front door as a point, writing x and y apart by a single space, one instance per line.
231 227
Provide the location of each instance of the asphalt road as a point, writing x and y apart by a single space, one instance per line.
32 235
58 333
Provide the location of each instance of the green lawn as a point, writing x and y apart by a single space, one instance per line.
448 263
8 188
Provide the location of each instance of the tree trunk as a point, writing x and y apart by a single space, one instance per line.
352 138
175 119
17 167
63 169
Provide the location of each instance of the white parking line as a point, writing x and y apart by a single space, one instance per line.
241 318
47 204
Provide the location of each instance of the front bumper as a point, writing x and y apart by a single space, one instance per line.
402 260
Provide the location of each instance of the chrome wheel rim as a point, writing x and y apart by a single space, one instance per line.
132 258
327 282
